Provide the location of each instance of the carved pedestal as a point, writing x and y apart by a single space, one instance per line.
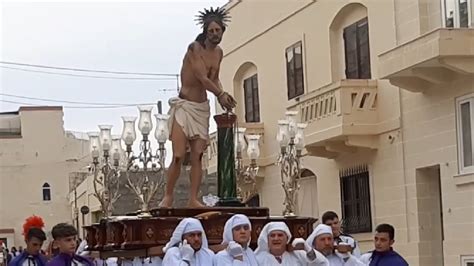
131 236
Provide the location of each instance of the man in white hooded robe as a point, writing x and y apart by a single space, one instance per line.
153 261
137 261
81 250
236 236
188 245
112 261
322 240
272 248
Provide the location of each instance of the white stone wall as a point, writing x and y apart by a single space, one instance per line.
404 191
42 154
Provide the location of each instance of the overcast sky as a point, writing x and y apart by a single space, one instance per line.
150 36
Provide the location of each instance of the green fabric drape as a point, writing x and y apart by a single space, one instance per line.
226 184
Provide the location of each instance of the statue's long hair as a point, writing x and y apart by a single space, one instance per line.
206 17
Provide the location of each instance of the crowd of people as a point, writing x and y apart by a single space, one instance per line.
326 246
6 255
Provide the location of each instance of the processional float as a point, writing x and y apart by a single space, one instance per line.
144 234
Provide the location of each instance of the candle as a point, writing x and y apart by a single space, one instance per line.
282 135
144 123
162 131
253 150
105 136
128 132
291 117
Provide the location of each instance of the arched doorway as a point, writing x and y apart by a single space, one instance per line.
307 195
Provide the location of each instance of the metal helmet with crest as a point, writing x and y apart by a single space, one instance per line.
32 222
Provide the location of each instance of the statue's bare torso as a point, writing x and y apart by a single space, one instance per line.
192 88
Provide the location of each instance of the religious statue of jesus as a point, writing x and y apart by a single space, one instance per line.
190 111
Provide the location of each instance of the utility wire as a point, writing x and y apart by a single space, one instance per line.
80 107
7 101
89 70
86 76
74 102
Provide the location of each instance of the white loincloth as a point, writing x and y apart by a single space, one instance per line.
193 117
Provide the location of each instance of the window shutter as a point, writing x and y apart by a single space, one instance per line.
463 14
256 102
299 78
350 51
364 50
252 108
248 100
299 82
290 72
466 137
298 57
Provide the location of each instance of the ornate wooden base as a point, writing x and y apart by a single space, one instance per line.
231 202
130 236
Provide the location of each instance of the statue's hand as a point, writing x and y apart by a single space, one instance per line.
227 101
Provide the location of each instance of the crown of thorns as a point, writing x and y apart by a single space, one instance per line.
211 14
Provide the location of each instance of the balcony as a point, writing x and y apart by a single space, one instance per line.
211 153
342 118
431 60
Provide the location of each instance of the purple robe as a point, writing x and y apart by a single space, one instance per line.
387 258
39 259
64 259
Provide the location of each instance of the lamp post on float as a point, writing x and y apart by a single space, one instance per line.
290 137
150 165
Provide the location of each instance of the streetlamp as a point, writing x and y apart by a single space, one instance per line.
290 137
148 163
246 175
84 211
105 169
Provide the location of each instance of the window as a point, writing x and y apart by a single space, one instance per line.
355 200
294 70
467 260
46 192
465 128
252 107
357 51
4 240
456 13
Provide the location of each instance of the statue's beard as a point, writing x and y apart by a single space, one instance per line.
215 40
